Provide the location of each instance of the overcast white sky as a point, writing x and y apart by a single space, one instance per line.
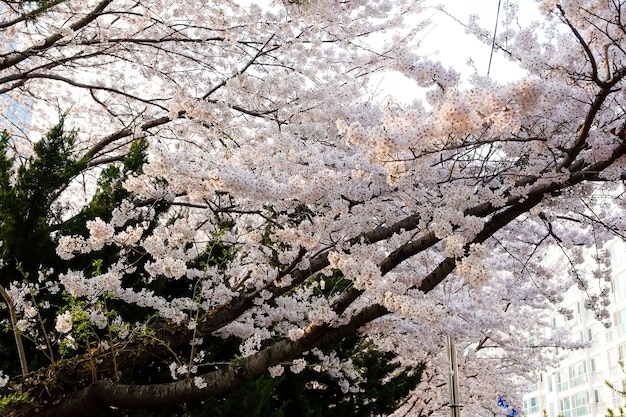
447 41
457 46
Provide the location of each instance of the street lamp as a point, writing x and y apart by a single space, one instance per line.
455 406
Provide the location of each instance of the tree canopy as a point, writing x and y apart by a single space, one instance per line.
203 202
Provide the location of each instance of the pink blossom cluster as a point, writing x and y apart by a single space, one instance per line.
278 198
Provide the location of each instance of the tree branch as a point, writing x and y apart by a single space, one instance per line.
16 331
585 46
52 39
225 379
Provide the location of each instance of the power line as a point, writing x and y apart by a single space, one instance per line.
493 42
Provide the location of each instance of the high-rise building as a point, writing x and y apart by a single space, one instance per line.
16 116
577 385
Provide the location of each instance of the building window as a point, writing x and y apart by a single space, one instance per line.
531 406
576 314
594 364
592 334
619 319
616 391
617 254
580 404
572 376
562 380
578 374
597 398
618 284
565 407
615 356
575 406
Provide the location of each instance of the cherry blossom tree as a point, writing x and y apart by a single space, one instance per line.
222 176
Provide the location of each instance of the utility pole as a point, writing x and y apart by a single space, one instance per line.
455 405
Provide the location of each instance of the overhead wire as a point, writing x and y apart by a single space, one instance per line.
493 41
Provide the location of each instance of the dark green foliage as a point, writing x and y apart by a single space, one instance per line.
384 386
382 389
32 220
26 196
32 9
620 392
109 192
334 284
27 193
611 413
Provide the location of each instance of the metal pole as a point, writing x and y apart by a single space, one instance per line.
455 404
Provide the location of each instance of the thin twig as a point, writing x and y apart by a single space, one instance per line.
16 332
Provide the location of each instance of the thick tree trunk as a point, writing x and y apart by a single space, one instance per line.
107 393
